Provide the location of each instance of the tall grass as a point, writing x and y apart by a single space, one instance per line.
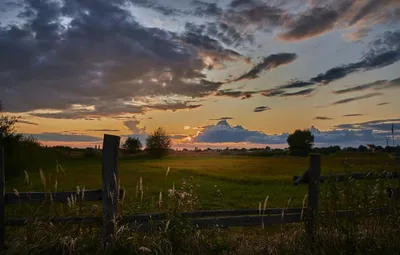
368 233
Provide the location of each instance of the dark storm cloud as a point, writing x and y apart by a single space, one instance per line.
322 118
103 57
261 109
377 85
351 99
268 63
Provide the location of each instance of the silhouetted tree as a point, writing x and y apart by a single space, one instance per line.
362 148
132 145
158 143
300 142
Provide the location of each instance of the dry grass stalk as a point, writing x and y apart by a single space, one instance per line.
141 189
160 200
166 174
303 206
27 178
42 177
259 208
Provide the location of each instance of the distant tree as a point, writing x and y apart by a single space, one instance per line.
300 142
267 148
7 125
132 145
362 148
158 143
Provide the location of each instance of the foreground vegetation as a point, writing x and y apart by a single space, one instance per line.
213 181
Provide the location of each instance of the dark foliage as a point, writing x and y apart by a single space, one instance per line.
158 143
300 142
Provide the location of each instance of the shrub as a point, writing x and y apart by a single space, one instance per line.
158 143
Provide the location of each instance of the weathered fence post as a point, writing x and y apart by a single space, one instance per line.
110 185
2 199
314 173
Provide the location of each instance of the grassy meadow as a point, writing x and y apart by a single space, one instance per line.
219 181
216 182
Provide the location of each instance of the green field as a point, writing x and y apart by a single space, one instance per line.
220 182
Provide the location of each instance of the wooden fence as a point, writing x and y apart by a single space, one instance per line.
110 194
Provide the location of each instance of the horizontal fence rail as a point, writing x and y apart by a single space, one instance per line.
59 197
143 222
303 179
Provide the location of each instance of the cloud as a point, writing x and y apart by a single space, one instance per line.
261 108
377 85
268 63
322 118
309 24
383 103
324 16
296 84
351 99
303 92
382 52
343 135
94 54
352 115
375 125
173 106
236 93
178 136
27 122
133 126
358 35
102 130
223 118
223 132
58 137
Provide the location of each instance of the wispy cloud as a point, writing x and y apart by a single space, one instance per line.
261 108
384 103
377 85
351 99
322 118
268 63
27 122
223 118
352 115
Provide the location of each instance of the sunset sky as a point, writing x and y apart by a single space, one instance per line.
213 73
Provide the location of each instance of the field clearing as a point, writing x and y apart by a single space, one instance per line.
219 181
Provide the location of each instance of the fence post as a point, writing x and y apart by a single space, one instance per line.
2 199
110 185
314 173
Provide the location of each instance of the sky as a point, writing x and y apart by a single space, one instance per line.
236 73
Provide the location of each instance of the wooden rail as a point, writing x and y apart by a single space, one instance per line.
50 197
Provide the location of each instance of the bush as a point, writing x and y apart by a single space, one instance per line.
158 143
